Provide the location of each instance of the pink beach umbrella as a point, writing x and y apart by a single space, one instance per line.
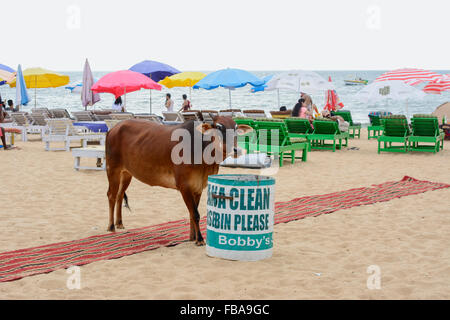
332 102
411 76
438 86
122 82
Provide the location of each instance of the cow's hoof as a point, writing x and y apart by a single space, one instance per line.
111 228
120 225
200 243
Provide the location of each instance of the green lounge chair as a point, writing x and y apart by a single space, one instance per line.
375 128
395 130
281 144
425 128
354 129
299 128
327 129
248 141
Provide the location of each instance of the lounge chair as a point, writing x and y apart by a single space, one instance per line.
172 116
83 116
299 128
425 128
122 116
190 115
354 129
327 129
231 113
110 123
22 122
255 114
395 130
273 139
89 152
281 114
62 130
375 128
45 111
59 113
208 115
248 141
149 117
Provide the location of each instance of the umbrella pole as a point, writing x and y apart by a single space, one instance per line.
407 112
278 93
125 100
35 85
229 94
150 101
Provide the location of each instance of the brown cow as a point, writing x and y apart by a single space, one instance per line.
143 149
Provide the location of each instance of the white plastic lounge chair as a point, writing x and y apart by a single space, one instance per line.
62 130
150 117
255 114
89 152
23 123
172 116
122 116
83 116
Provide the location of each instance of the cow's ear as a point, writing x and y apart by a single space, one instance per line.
203 127
243 129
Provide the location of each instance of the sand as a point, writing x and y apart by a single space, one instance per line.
44 200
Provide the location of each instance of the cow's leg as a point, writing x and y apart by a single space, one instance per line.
124 183
190 201
114 183
192 229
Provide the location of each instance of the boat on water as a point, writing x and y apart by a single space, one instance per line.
356 81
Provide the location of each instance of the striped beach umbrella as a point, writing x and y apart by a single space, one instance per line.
438 86
411 76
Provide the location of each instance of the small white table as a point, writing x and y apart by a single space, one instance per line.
89 152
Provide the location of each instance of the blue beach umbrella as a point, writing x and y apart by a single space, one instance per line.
21 88
228 78
155 70
263 86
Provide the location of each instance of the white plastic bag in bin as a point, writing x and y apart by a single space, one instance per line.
253 160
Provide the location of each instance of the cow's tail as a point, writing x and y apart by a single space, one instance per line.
125 197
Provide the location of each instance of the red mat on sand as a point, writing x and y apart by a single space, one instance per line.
26 262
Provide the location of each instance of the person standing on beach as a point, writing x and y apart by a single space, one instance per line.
117 105
186 106
169 103
2 130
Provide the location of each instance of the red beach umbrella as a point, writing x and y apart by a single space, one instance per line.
411 76
438 86
122 82
332 102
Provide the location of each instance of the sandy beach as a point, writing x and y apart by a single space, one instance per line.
44 200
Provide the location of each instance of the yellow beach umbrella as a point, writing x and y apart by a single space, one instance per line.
183 79
42 78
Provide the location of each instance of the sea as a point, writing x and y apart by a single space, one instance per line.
241 98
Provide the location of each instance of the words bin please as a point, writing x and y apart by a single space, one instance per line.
240 217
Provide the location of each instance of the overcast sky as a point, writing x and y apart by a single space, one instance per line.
211 34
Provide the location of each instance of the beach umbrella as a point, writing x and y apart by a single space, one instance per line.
437 86
74 87
228 78
42 78
183 79
442 112
21 89
88 97
332 102
264 86
411 76
155 70
389 90
122 82
4 76
299 81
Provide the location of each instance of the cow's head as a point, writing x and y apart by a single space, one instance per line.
224 133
